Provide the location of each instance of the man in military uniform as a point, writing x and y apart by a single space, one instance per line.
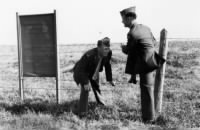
142 59
86 72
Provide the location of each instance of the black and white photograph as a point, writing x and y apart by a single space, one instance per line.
100 65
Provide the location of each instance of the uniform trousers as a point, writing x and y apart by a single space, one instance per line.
83 102
147 96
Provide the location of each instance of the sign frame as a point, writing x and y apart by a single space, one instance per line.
20 56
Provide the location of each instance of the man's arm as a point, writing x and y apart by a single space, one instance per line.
126 48
108 69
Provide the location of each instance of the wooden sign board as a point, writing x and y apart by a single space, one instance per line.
38 45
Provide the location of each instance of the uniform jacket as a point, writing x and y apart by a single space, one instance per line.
86 66
142 57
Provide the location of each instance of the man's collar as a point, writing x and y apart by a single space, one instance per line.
133 25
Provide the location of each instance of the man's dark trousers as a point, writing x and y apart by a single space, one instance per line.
147 96
83 103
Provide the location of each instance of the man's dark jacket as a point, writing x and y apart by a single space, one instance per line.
86 66
142 57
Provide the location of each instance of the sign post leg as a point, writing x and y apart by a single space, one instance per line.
21 89
21 82
58 100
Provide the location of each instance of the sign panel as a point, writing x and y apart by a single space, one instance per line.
38 45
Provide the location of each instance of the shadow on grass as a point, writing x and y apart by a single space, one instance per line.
39 106
95 112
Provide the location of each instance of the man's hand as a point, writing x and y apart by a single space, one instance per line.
112 83
124 48
87 87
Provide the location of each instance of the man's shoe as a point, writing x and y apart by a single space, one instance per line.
149 121
132 80
82 114
101 103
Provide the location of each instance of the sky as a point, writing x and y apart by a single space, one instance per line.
86 21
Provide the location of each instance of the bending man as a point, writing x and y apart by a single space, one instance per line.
86 72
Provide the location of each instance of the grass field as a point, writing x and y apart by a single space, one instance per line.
181 101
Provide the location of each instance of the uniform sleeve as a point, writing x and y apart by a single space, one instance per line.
126 48
108 69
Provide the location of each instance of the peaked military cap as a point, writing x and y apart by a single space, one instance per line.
105 41
128 10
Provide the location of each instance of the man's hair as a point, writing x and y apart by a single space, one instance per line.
131 15
105 41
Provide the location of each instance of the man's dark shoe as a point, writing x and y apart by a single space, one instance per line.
149 121
101 103
82 114
133 80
